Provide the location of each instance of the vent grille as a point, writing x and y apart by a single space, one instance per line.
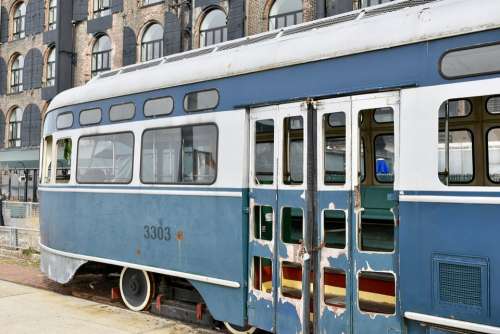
460 284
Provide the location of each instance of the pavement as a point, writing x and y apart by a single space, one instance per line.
29 310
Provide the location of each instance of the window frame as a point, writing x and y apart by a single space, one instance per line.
473 158
52 16
101 135
470 47
99 10
180 127
17 126
50 76
89 124
16 86
158 98
468 99
375 158
123 119
487 134
56 152
72 120
197 92
19 23
156 42
96 54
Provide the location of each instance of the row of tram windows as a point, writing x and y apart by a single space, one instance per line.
174 155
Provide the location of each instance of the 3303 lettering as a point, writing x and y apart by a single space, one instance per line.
152 232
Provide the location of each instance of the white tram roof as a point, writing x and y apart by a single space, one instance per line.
374 28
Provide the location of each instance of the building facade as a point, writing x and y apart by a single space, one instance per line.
48 46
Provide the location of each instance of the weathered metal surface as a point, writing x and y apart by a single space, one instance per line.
59 268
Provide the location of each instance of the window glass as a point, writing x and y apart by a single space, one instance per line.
377 292
384 115
122 112
335 284
150 2
456 108
101 55
16 75
204 100
19 22
285 13
15 126
493 105
90 116
291 280
47 160
180 155
264 151
105 158
460 167
335 148
50 79
52 15
384 158
65 120
334 227
63 160
263 222
494 155
292 221
473 61
157 107
101 8
152 42
213 28
368 3
263 274
293 160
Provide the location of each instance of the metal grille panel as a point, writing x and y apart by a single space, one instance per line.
460 284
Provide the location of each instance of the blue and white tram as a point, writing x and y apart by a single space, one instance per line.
340 176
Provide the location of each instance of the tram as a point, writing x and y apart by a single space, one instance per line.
339 176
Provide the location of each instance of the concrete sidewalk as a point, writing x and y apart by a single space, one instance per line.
29 310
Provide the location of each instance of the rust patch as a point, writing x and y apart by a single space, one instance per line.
179 235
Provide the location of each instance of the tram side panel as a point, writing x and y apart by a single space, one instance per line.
199 231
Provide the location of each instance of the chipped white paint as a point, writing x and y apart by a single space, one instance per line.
303 195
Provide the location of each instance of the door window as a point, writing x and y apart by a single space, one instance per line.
264 151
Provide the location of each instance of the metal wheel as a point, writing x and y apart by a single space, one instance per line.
136 288
239 330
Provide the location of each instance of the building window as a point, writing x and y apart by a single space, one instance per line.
101 54
15 121
19 21
101 8
368 3
51 68
285 13
213 28
16 75
52 14
152 42
150 2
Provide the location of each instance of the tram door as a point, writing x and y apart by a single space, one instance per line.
279 276
356 273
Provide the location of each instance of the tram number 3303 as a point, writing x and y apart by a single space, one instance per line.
152 232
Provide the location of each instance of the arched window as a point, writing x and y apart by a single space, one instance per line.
15 120
16 75
101 8
101 54
285 13
152 42
19 21
52 15
50 79
213 28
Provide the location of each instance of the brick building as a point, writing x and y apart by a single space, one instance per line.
48 46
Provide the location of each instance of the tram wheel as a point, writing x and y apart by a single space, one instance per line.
136 288
239 330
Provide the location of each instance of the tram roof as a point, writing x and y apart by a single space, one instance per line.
374 28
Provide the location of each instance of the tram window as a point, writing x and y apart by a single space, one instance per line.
64 120
334 227
384 158
384 115
493 105
90 116
292 222
105 158
121 112
264 151
377 292
47 160
293 159
335 285
63 160
202 100
376 233
456 108
159 106
263 222
480 60
494 155
335 148
460 168
291 280
262 274
186 155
